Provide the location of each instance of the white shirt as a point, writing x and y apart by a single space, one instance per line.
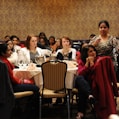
71 50
24 53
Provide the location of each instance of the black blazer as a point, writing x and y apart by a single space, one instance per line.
6 93
61 57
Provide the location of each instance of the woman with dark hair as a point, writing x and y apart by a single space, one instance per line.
7 37
43 35
52 44
95 78
16 42
18 84
82 84
43 44
104 42
14 56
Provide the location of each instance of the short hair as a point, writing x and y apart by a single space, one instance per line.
67 38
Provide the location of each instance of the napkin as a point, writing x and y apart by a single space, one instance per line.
71 64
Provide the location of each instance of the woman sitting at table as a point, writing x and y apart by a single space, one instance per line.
14 56
31 50
66 53
18 84
96 77
16 41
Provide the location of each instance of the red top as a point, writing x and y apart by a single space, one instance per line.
78 55
103 83
14 80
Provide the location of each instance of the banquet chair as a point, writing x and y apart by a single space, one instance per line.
74 95
23 103
23 94
19 96
54 73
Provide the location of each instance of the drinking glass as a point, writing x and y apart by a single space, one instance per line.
39 60
20 64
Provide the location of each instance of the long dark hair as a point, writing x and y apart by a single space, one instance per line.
84 52
12 43
43 35
3 48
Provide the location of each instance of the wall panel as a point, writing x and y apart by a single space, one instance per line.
74 18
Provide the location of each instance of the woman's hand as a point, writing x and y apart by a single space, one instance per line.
96 42
89 61
21 81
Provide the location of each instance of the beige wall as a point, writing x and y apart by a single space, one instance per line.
74 18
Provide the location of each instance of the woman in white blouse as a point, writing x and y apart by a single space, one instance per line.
67 52
31 50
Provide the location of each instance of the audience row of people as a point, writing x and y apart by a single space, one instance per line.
31 50
52 43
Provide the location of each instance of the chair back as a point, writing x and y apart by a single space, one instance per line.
54 73
7 99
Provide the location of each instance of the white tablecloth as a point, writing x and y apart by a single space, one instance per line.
37 75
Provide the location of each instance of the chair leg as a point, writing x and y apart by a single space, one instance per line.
40 104
68 106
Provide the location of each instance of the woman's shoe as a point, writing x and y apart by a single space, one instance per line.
91 99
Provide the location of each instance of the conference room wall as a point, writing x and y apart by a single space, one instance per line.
74 18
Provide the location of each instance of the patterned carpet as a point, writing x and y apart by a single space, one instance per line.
50 111
54 112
